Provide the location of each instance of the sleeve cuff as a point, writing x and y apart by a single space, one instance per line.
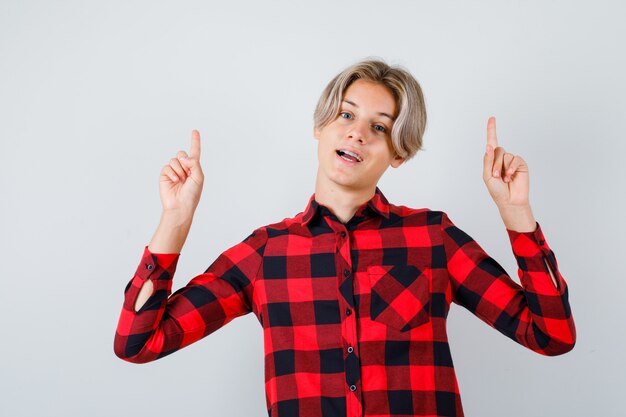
528 243
533 255
151 262
163 259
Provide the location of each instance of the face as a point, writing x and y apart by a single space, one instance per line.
363 126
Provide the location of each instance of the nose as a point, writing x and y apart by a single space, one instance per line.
358 131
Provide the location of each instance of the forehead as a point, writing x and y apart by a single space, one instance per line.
371 97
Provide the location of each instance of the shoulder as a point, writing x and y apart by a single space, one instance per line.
436 223
418 216
293 224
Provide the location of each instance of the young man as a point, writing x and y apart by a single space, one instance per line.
353 292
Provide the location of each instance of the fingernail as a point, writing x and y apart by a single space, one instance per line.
496 173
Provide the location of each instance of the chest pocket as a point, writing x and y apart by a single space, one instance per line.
400 296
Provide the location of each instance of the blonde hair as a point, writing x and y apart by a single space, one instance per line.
410 124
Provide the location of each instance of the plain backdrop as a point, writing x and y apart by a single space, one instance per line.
95 97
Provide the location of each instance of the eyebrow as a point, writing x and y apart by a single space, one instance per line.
380 113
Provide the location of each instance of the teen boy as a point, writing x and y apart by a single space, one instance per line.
353 292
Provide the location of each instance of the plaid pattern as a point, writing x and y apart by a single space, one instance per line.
354 315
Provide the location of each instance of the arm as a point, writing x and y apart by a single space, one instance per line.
153 322
536 314
166 323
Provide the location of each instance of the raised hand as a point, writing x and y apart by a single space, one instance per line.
181 181
505 174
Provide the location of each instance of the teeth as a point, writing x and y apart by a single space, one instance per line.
352 154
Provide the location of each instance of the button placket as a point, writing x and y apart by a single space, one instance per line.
345 277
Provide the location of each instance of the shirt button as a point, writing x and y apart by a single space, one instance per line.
352 387
541 242
348 311
149 267
343 234
346 272
350 349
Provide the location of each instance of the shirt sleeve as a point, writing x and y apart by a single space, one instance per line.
536 314
168 322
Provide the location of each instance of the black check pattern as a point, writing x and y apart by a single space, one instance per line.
354 315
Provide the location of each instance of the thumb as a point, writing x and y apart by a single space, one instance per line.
192 165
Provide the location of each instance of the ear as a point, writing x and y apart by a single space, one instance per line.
316 133
397 161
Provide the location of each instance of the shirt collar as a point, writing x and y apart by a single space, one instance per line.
378 204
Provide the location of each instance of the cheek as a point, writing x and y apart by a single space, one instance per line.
325 151
383 162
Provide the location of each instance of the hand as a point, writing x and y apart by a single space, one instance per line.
180 183
505 174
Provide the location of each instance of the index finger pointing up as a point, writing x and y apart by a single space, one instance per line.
492 139
195 144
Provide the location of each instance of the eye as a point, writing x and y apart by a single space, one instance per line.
345 115
380 128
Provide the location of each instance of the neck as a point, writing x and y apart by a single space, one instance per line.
342 201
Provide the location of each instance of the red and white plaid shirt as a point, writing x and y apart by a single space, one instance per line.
354 314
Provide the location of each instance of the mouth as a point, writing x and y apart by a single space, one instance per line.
349 156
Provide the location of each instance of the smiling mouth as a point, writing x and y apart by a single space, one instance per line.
348 156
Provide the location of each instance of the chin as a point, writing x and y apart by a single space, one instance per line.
354 184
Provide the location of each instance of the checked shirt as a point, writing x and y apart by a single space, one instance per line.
353 314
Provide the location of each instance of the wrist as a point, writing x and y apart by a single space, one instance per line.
176 219
518 218
171 234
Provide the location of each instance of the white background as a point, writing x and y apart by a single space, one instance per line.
95 97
